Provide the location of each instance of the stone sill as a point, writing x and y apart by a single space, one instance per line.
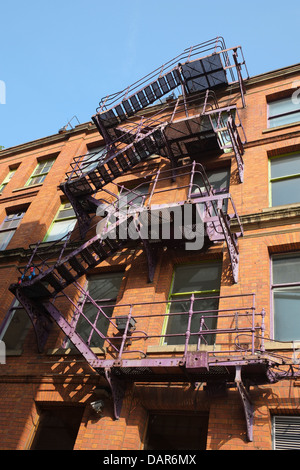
27 187
167 349
287 207
276 345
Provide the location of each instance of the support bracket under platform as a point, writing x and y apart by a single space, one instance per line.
118 391
41 323
247 404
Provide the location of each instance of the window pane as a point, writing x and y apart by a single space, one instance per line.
98 318
40 172
177 324
283 120
131 198
66 211
285 191
285 105
285 166
7 179
5 238
43 167
36 180
100 287
17 329
91 160
286 269
105 286
287 314
12 221
201 277
219 180
60 229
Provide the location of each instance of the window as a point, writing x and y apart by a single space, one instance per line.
219 179
8 228
286 432
58 427
283 111
203 280
7 179
103 289
15 328
131 198
177 431
92 158
41 171
286 297
285 179
63 223
220 122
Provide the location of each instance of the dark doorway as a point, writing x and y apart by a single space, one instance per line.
177 431
58 427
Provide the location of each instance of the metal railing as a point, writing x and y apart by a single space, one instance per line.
200 51
232 326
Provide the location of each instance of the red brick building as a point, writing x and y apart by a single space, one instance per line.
183 339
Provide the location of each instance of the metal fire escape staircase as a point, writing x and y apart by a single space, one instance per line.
192 123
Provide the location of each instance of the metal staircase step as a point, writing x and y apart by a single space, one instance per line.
99 249
65 273
74 263
105 175
96 179
88 257
53 281
114 168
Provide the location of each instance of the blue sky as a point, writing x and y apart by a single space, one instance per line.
59 58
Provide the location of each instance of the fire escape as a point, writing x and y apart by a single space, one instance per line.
173 113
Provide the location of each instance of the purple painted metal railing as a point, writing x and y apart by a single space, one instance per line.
200 193
242 321
200 51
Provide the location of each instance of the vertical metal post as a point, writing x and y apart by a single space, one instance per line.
188 331
124 337
263 327
200 330
191 179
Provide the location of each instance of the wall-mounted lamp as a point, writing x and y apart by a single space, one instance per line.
97 406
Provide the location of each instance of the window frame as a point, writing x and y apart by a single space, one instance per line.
40 174
94 155
9 176
8 323
279 115
11 230
186 295
281 178
273 288
82 301
57 221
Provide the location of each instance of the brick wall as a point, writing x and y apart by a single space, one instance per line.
31 378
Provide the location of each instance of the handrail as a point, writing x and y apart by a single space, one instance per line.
247 324
211 47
